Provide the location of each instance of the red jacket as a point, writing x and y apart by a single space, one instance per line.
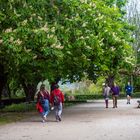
56 92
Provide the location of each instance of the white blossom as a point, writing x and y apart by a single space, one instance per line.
31 19
8 30
18 42
45 27
11 39
113 48
40 18
88 47
1 41
34 14
59 47
34 57
83 1
24 22
81 37
53 29
18 15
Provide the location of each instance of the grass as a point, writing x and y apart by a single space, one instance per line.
16 112
9 117
22 107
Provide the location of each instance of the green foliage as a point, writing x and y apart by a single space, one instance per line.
96 88
46 39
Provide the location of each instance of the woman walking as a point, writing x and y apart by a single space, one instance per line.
43 100
115 93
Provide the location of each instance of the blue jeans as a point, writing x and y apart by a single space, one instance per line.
58 110
45 108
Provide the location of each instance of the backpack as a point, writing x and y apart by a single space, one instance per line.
56 100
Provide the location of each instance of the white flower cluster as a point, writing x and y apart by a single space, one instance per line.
24 22
92 4
83 1
8 30
18 15
18 42
45 28
27 50
40 18
84 24
53 29
129 60
113 48
11 39
57 46
1 41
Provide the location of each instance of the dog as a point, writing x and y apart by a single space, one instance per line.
138 103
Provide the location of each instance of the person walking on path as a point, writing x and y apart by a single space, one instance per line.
115 93
43 100
128 90
57 100
106 91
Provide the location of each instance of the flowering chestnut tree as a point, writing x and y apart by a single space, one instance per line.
68 39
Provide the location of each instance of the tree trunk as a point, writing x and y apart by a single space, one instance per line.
6 91
3 80
110 80
29 90
54 83
1 86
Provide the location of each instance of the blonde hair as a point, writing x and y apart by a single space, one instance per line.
42 86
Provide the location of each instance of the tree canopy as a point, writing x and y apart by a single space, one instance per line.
68 39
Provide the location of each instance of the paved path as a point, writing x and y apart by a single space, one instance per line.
90 121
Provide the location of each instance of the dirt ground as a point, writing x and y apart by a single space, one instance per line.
89 121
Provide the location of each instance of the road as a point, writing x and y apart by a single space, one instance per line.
88 121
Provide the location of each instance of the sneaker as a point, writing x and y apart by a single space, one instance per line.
52 108
43 121
44 117
59 118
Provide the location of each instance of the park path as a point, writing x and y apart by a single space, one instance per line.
88 121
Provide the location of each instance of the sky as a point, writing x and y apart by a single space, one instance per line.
137 2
